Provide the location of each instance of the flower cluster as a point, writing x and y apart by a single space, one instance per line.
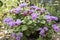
50 18
31 18
55 27
16 10
18 37
23 5
11 22
42 31
34 16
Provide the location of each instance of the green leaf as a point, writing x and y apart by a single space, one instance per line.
40 38
17 29
27 32
30 22
43 22
24 28
24 38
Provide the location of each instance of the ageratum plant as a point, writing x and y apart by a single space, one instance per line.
27 22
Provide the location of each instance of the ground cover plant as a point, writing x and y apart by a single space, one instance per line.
26 22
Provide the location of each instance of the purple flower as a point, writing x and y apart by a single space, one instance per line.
21 34
40 29
18 38
25 13
48 18
14 35
54 18
23 5
38 9
33 7
45 28
18 22
11 24
7 20
17 10
42 32
55 27
31 11
34 16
